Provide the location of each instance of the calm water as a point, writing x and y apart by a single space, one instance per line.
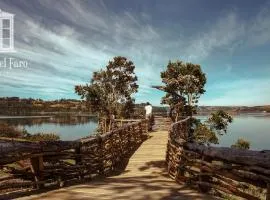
67 127
253 127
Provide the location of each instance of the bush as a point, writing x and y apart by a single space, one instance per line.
241 144
43 137
216 125
219 121
10 131
13 132
204 135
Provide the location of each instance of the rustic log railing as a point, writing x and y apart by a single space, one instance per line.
107 124
242 173
28 165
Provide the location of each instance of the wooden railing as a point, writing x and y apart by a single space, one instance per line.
107 124
34 165
242 173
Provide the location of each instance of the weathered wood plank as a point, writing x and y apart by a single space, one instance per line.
21 146
228 166
66 161
237 156
268 192
145 177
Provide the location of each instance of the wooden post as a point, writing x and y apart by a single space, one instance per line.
128 132
268 192
78 161
78 158
110 125
204 178
37 168
101 158
141 130
105 125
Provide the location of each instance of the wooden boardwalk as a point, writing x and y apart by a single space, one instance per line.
144 178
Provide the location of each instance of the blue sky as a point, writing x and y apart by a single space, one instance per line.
64 41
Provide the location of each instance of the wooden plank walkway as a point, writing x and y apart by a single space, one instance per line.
145 178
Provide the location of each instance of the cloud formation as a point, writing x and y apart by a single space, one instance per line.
65 41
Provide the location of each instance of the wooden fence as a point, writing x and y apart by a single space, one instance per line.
33 165
107 124
242 173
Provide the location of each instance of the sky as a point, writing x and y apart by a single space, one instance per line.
63 42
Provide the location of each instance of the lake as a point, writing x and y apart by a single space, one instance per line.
68 127
252 127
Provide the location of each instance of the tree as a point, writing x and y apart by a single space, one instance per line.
241 144
219 121
128 108
110 90
204 135
216 125
184 84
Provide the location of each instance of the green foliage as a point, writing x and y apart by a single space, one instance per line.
219 121
128 109
216 125
204 135
110 90
43 137
10 131
22 106
13 132
241 144
184 83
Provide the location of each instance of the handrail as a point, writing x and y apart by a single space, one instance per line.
61 162
226 170
180 121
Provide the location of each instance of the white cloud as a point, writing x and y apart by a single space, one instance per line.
59 54
65 46
230 33
241 92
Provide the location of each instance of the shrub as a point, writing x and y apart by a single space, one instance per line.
9 131
204 135
216 125
241 144
43 137
13 132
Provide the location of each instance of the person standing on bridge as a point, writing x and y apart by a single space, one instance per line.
149 115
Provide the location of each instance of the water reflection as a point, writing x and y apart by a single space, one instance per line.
68 127
63 120
252 127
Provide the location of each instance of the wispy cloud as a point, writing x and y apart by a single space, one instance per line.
230 33
259 28
66 42
240 92
221 35
81 45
